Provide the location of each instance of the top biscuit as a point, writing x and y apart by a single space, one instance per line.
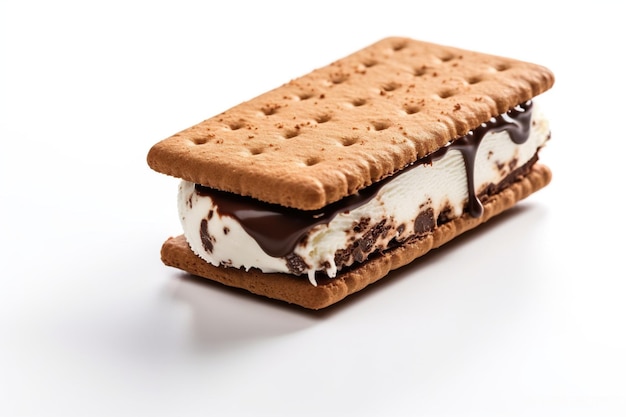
342 127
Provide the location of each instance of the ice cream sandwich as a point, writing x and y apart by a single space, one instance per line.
314 190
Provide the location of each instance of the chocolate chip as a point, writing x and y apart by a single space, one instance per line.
296 264
424 222
445 215
363 247
361 225
205 236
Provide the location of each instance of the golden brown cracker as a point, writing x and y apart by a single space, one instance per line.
345 126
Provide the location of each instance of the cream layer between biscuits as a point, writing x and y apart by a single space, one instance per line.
405 207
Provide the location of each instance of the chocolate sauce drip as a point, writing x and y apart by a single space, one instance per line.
278 229
516 122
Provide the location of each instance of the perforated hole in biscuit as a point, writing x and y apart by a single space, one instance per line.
291 133
358 102
399 45
448 56
380 125
313 160
502 66
323 118
391 86
349 141
446 93
236 125
411 108
304 96
256 150
339 77
199 141
270 109
420 71
475 79
369 62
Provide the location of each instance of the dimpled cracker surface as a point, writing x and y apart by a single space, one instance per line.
342 127
297 290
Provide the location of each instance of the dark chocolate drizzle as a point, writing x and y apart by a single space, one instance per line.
516 122
278 229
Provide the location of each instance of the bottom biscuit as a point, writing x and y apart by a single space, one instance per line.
298 290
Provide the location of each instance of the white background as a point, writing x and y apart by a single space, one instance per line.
525 317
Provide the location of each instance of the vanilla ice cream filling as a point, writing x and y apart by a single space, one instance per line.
406 206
